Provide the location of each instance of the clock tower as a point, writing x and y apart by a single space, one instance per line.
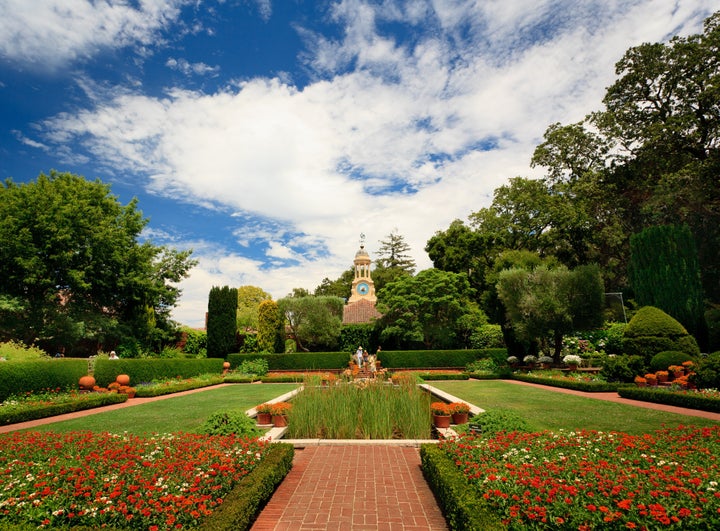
363 287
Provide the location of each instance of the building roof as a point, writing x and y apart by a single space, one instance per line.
360 312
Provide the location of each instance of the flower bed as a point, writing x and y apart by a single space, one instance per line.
94 480
176 385
33 406
589 480
577 381
702 399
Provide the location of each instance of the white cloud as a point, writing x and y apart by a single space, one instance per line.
52 33
417 134
188 68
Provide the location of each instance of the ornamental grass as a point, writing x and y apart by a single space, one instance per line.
365 409
592 480
121 481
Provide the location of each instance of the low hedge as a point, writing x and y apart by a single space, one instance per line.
397 359
441 376
147 369
659 395
19 377
461 504
90 401
589 387
144 391
242 505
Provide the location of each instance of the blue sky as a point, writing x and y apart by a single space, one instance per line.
268 135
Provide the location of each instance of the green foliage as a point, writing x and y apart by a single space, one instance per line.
244 502
195 342
358 334
487 336
623 368
147 370
166 387
651 331
662 360
248 303
17 351
498 420
462 507
587 386
89 401
221 321
707 372
712 319
73 272
18 377
271 327
485 365
315 322
230 422
666 396
257 367
665 273
426 309
614 338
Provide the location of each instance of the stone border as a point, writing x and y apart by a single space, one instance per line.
276 434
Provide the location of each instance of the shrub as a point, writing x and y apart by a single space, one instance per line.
230 422
487 336
257 366
18 351
707 372
662 360
35 375
485 365
495 421
622 368
712 319
651 331
614 338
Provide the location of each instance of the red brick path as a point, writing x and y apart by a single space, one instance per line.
353 487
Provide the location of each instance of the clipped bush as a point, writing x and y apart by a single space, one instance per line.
257 366
498 420
662 360
622 368
22 376
147 370
230 422
651 330
707 372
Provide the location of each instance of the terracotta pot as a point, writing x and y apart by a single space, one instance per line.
123 379
226 365
442 421
264 418
662 378
279 421
87 383
130 392
459 418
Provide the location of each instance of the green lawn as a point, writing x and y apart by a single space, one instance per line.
547 409
180 413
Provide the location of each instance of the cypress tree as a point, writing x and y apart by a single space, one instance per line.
665 273
270 327
221 321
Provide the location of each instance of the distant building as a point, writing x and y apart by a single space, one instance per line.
360 308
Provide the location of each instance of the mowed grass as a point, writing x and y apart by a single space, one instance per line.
546 409
175 413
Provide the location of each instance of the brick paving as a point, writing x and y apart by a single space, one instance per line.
368 487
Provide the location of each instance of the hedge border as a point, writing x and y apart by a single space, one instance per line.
242 505
663 396
462 506
588 387
51 410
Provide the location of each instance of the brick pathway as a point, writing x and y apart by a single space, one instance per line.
353 487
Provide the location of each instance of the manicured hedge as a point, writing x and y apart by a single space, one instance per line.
18 377
461 505
589 387
92 400
670 398
398 359
242 505
147 370
177 386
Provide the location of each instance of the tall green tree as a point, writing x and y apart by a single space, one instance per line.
221 321
394 253
74 272
314 322
665 274
271 327
249 299
426 308
339 287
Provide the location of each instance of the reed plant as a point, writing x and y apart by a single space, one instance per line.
364 409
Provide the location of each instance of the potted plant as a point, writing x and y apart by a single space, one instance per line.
530 360
459 412
640 381
545 361
441 414
676 370
264 413
651 378
573 361
662 376
513 361
279 412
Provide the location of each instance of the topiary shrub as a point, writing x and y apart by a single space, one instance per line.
230 422
662 360
651 331
623 368
707 372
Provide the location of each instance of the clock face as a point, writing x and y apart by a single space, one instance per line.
363 288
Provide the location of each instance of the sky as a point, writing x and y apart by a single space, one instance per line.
268 135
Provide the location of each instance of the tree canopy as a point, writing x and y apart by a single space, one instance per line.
73 271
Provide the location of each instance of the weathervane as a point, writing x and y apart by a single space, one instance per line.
362 239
